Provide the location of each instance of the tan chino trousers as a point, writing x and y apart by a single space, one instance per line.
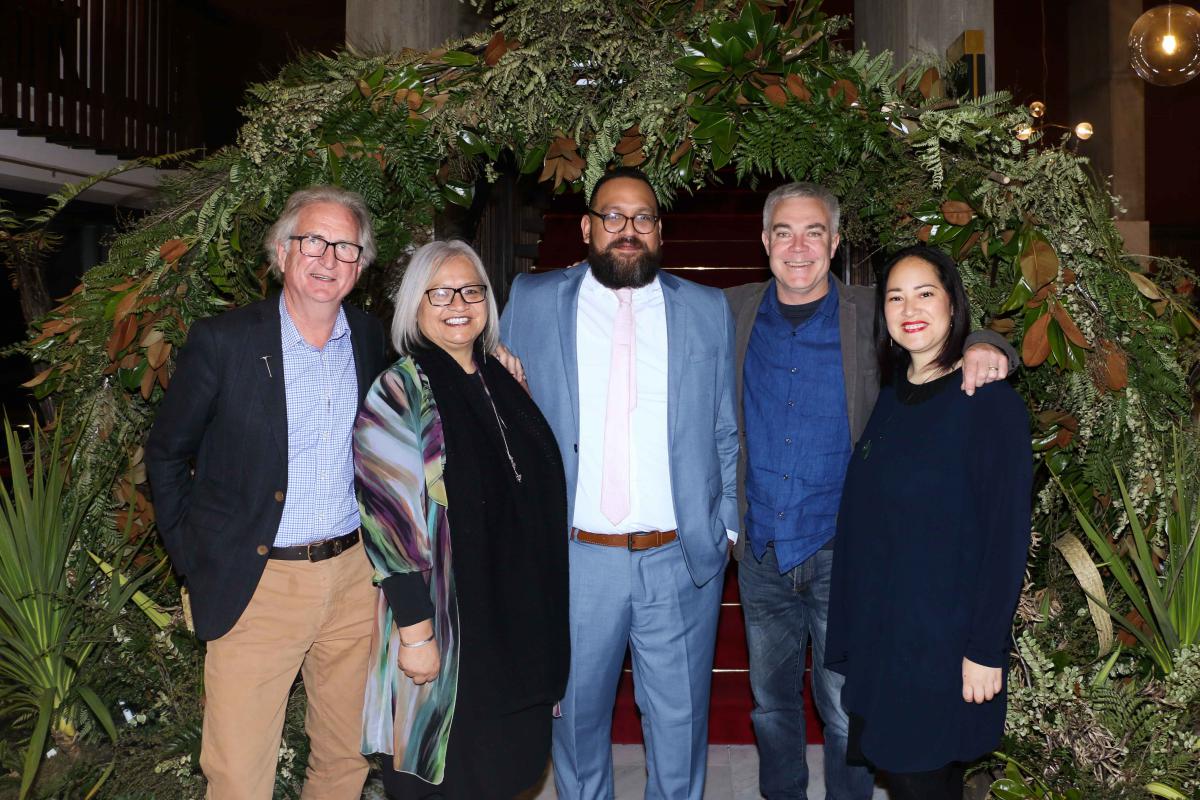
315 618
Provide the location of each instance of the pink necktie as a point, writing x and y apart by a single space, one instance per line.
622 398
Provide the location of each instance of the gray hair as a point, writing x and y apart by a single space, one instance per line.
406 334
814 190
300 199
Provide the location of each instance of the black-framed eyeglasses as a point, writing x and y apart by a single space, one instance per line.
444 295
315 246
615 221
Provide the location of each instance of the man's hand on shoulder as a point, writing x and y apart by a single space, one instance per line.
983 363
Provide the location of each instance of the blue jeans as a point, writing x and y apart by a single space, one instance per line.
782 612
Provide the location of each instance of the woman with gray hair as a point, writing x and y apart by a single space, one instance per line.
463 502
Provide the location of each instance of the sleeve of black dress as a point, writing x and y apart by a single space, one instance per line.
1002 477
837 635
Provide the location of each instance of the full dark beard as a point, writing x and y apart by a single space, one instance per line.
622 273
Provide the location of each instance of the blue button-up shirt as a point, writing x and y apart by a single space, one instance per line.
322 401
797 430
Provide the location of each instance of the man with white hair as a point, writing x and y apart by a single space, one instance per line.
250 463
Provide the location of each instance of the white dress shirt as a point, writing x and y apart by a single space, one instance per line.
650 498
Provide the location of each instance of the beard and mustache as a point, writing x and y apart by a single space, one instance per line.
619 271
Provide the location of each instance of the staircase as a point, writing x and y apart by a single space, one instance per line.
712 237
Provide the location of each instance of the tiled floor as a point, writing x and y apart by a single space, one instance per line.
732 774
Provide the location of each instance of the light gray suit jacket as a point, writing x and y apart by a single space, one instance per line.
539 326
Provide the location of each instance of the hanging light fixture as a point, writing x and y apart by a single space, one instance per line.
1164 45
1037 109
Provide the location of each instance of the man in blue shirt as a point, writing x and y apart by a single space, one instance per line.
807 379
250 462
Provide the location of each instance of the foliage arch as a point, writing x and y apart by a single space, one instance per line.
681 88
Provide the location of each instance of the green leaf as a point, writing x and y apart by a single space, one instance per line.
1162 790
1010 789
457 58
533 160
471 142
1058 343
1020 295
37 742
698 66
461 194
98 708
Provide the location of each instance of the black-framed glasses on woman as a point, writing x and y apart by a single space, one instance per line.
444 295
615 221
315 246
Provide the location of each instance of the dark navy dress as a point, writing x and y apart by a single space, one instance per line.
930 553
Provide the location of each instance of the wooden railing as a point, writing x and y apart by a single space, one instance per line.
115 76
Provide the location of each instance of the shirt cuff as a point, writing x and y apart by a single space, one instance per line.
733 535
408 596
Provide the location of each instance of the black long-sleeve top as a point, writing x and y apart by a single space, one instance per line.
933 534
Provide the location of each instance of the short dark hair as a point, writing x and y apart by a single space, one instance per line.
622 172
892 356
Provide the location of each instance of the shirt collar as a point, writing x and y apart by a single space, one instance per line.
827 308
291 334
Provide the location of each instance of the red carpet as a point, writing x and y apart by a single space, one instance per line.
729 710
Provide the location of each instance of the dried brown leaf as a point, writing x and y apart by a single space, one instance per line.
1039 263
1069 328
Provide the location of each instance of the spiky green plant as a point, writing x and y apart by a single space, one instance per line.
56 605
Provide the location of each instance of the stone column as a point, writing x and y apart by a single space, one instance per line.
911 27
386 26
1105 92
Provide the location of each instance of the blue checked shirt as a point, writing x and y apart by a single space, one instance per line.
322 401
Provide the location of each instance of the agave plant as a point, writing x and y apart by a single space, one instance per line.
1164 592
56 604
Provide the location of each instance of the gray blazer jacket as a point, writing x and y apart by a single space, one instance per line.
856 326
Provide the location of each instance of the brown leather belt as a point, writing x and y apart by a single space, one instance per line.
641 540
317 551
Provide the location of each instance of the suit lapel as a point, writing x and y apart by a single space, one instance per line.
267 340
568 322
677 339
847 327
361 361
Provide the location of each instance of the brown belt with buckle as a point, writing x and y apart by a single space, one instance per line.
317 551
642 540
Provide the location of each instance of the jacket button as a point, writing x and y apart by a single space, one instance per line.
279 496
263 550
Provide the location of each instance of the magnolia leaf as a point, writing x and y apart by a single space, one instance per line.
122 334
797 88
681 151
1073 334
633 159
147 383
846 89
1035 348
1147 287
970 243
1003 325
631 140
170 252
1068 276
924 232
957 212
38 379
126 305
775 95
157 353
1039 264
497 46
1114 367
457 58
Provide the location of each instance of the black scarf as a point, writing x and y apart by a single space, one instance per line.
508 536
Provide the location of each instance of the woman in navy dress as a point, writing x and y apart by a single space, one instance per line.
933 533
